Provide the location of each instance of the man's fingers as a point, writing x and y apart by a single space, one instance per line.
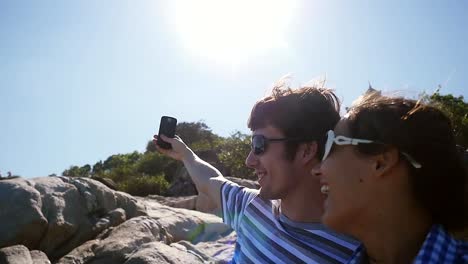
167 139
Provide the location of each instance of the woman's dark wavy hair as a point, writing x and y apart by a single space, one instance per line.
426 134
306 113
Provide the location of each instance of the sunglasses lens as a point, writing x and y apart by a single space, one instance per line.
258 145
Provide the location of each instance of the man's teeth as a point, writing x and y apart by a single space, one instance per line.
260 174
325 189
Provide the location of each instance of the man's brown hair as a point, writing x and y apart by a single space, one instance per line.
306 114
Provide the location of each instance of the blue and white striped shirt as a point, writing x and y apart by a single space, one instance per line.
266 237
438 248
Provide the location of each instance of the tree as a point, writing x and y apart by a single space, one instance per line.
75 171
457 110
153 163
98 168
121 160
232 153
197 136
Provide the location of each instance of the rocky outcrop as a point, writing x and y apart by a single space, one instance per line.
182 184
186 202
20 254
57 214
167 233
80 220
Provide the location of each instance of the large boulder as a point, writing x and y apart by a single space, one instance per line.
79 220
182 184
21 214
115 245
186 202
20 254
183 224
166 235
57 214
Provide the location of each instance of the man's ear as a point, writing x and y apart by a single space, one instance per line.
386 161
308 151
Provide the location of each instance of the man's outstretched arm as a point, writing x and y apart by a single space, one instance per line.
207 178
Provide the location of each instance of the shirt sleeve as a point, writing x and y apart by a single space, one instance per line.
234 200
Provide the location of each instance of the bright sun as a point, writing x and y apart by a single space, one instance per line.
232 31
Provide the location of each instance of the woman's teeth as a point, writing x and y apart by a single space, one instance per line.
325 189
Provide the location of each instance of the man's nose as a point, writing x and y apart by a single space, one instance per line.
251 161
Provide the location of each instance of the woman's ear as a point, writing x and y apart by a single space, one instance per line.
386 161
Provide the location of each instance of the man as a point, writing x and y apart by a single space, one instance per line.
280 223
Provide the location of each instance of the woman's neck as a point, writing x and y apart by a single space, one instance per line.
393 231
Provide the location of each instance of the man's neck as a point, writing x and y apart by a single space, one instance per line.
304 204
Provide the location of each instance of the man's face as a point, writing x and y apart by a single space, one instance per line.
276 174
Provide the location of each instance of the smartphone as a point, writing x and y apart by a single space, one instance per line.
167 127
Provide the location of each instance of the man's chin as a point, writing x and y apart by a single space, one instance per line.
266 194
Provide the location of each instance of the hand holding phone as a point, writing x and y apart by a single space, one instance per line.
167 127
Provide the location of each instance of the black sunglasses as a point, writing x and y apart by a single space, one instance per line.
260 142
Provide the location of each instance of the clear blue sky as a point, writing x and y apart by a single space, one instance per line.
82 80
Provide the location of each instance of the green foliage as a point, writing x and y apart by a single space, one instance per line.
151 146
197 136
144 185
153 163
120 173
121 160
98 168
457 110
75 171
232 153
151 172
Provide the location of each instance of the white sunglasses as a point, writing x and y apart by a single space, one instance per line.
342 140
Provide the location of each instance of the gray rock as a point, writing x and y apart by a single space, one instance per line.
116 244
152 238
39 257
57 214
79 220
17 254
21 255
157 252
186 202
21 214
182 184
185 224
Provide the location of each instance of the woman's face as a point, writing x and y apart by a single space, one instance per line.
345 178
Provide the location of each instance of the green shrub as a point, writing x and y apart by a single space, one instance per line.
143 185
232 153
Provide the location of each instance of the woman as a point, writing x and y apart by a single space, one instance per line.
395 180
